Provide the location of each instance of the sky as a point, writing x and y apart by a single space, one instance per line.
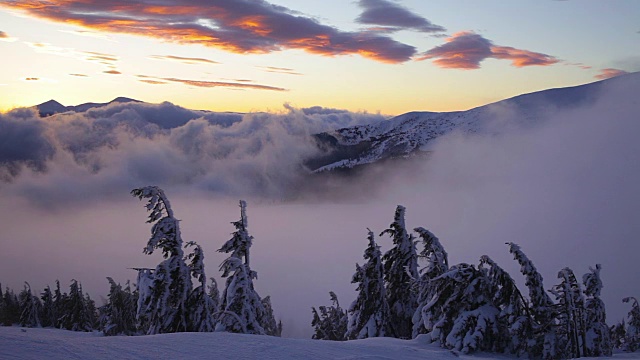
383 56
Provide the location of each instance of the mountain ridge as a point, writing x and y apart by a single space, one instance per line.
410 133
53 107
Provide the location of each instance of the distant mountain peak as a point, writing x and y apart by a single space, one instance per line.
52 107
122 99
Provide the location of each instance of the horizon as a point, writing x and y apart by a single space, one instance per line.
381 56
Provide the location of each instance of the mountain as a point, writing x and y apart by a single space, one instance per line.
412 134
52 107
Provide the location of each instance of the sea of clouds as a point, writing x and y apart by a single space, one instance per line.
566 190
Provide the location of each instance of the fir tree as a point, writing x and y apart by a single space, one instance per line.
330 322
461 314
369 312
200 317
543 339
11 308
30 307
49 314
400 270
214 295
570 311
118 315
514 318
270 326
164 309
598 336
242 309
437 264
632 332
59 300
77 314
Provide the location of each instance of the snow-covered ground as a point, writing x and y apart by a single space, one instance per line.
19 343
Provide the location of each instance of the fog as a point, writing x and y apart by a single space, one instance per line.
566 190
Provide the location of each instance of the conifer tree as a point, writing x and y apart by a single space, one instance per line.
461 314
49 315
270 326
514 318
118 315
59 300
369 312
200 317
400 270
543 338
437 264
3 307
242 309
77 314
570 315
598 336
164 309
632 333
30 308
214 295
330 322
12 308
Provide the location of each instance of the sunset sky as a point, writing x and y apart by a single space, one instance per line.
362 55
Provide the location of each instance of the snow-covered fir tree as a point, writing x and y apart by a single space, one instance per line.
118 315
200 318
570 332
164 307
59 299
632 331
400 270
461 314
77 314
437 263
598 335
369 312
30 308
514 319
11 308
48 316
543 338
329 322
242 309
270 326
214 296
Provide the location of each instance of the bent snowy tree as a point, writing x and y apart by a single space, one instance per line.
163 306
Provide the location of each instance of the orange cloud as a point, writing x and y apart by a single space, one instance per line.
185 60
112 72
208 84
279 70
609 73
521 58
466 50
240 26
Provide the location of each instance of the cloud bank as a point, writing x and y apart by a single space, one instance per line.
240 26
466 50
124 145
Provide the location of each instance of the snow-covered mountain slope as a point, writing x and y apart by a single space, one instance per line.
407 134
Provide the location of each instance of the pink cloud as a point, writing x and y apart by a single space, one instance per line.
239 26
609 73
466 50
